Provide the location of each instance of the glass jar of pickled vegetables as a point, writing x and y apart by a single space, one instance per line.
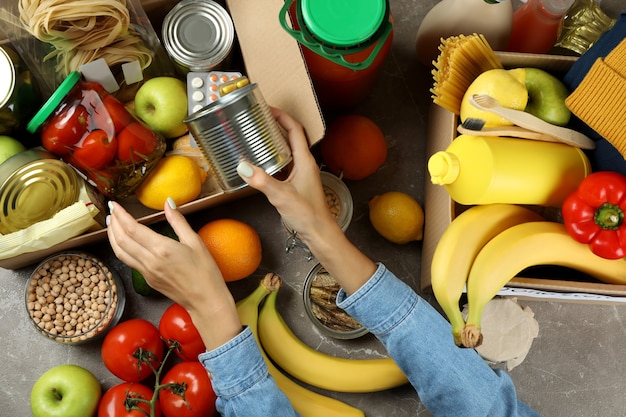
94 132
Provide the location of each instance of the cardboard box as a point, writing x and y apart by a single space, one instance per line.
272 59
440 210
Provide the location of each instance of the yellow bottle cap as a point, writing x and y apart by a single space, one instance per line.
443 168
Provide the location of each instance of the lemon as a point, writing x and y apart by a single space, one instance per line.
175 176
505 86
397 217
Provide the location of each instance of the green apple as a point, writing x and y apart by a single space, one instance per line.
500 84
65 391
9 147
546 95
161 103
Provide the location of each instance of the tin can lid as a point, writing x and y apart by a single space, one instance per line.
344 23
53 102
7 77
198 34
35 186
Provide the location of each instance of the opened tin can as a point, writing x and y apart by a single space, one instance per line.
198 35
34 186
239 126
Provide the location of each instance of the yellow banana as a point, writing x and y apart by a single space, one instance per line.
318 369
522 246
304 401
459 245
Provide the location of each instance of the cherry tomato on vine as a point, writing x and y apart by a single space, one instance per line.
129 347
199 397
121 401
176 327
96 151
62 132
135 142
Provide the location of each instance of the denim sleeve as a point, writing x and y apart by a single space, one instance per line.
449 380
242 382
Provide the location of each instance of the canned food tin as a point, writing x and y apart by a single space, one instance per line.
239 126
34 186
198 35
19 95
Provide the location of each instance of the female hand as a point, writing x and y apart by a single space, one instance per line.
184 270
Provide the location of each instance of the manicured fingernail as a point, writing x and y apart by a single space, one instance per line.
110 205
171 203
245 169
107 220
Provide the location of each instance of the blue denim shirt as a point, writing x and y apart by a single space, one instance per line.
450 381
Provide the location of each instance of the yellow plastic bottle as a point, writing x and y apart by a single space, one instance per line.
485 170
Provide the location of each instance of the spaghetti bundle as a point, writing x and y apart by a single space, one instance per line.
461 59
82 31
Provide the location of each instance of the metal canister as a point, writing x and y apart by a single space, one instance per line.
34 186
19 95
239 126
198 35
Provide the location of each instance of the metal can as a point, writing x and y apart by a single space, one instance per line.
198 35
239 126
34 186
19 95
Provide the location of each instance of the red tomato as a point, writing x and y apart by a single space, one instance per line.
135 142
176 327
63 131
199 397
118 113
121 401
96 151
129 347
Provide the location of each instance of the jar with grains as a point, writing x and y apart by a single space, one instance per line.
344 48
73 297
94 132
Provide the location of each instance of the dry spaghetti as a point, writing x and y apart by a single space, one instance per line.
461 59
82 31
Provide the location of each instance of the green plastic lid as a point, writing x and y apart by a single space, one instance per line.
343 23
53 102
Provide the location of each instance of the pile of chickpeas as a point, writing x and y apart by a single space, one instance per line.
332 201
72 298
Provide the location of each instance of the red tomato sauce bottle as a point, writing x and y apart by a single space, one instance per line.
344 44
536 25
95 133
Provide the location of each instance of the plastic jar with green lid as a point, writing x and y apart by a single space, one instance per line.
94 132
345 43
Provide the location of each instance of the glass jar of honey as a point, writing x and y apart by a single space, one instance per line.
344 44
94 132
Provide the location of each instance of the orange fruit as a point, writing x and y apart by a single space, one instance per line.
235 246
354 147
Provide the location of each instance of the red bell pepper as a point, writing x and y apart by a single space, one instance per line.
594 214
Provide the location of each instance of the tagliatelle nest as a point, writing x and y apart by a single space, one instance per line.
82 31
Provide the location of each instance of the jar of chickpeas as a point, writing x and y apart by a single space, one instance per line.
340 204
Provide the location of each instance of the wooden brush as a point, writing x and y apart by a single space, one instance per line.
461 59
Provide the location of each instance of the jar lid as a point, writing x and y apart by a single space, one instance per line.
7 77
53 102
343 23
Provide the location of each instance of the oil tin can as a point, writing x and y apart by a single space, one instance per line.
198 35
19 95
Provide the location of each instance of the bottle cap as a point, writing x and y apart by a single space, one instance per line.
53 102
443 168
344 23
557 7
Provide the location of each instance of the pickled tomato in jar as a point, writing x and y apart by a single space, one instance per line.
94 132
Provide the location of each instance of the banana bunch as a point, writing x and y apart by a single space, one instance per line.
487 245
458 247
316 368
304 401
